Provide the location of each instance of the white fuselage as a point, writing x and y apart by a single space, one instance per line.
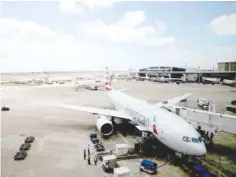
89 84
229 82
168 128
211 80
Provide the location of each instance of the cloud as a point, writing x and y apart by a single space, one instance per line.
78 6
95 3
28 46
224 25
130 28
24 30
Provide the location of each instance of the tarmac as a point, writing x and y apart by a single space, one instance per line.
61 135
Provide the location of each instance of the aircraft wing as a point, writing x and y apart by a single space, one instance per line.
106 112
173 101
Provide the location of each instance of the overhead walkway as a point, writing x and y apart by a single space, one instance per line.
208 121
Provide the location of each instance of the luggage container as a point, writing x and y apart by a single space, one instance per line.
122 172
122 149
148 166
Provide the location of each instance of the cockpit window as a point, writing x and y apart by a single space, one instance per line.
195 140
189 139
200 139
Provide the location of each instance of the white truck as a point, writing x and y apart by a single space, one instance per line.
122 172
203 103
163 79
109 163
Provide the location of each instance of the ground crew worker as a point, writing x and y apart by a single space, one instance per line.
95 160
88 150
84 154
89 163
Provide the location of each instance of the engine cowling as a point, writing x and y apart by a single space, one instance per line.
104 126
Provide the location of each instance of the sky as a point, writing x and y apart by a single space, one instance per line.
91 34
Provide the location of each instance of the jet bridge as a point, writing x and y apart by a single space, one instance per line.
210 122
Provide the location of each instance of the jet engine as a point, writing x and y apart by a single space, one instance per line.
104 126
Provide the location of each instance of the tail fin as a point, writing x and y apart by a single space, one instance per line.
108 80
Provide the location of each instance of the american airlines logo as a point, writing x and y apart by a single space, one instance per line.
137 117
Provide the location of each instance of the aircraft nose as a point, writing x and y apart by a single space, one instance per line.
201 150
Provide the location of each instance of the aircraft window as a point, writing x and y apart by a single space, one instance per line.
200 139
186 139
164 102
195 140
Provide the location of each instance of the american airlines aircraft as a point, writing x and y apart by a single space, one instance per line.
210 80
89 84
229 82
170 129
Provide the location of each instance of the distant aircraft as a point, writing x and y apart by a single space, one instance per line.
167 127
23 81
229 82
89 84
60 80
209 80
163 79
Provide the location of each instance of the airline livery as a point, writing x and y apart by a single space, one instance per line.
170 129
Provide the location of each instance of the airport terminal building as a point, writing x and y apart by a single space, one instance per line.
227 66
167 72
226 70
159 71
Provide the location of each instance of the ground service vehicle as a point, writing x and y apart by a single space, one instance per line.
203 103
233 102
109 163
29 139
93 138
198 170
99 147
5 108
25 146
100 155
148 166
20 155
206 174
